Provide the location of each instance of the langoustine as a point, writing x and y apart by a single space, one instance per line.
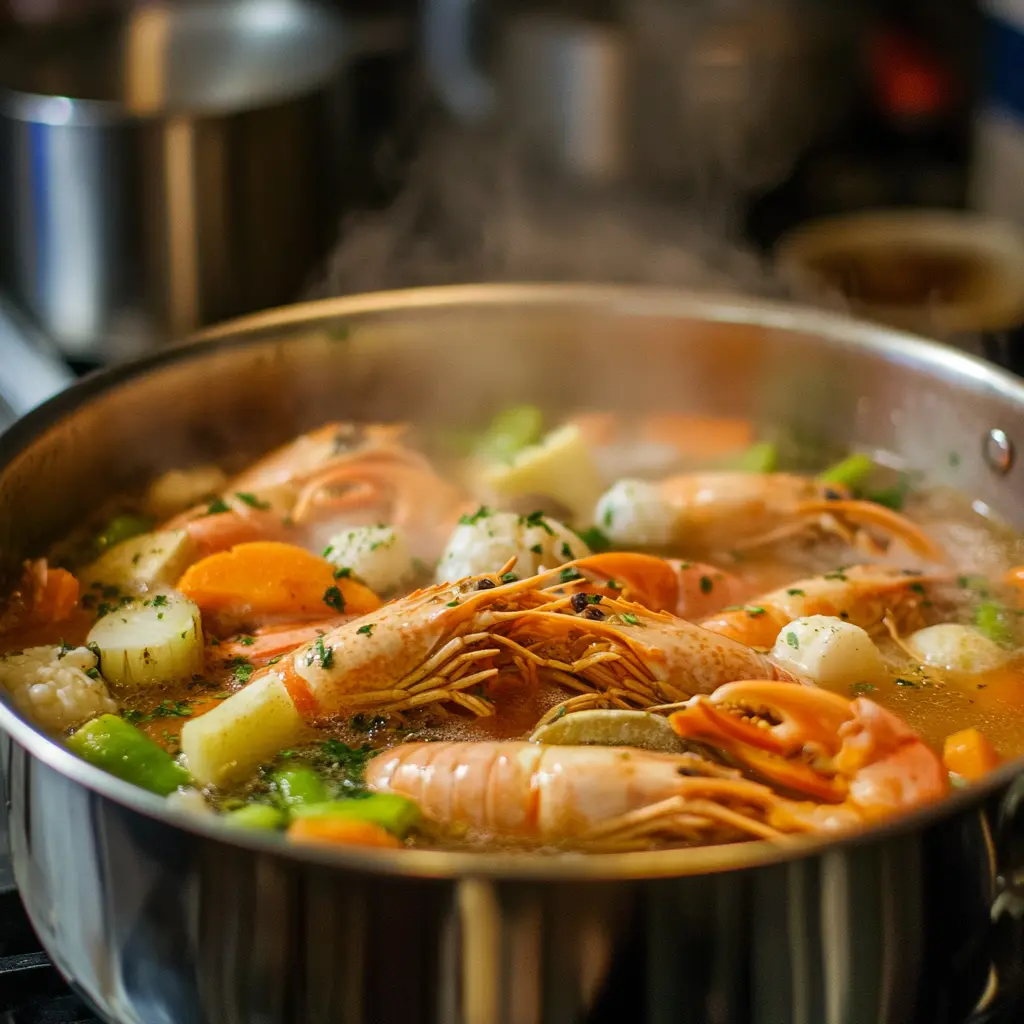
853 762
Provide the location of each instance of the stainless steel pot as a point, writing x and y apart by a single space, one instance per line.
167 166
163 917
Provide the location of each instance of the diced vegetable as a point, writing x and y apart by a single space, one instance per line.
758 458
379 556
340 832
954 646
257 816
54 594
995 621
120 529
828 650
485 541
179 489
512 430
969 754
299 785
151 641
389 810
112 744
849 472
559 467
147 560
56 687
244 731
270 578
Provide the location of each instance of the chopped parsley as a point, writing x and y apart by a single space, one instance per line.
348 762
630 619
93 673
508 577
839 575
754 610
328 550
569 575
217 506
366 630
537 549
160 601
917 587
251 500
453 604
471 520
242 669
247 641
607 518
165 709
333 599
536 519
795 592
793 640
595 539
325 655
343 573
706 584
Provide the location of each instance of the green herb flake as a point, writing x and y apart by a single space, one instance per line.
754 610
471 520
328 551
242 669
536 519
537 549
630 619
93 673
453 604
217 507
793 640
570 575
343 573
566 551
595 539
251 500
247 641
859 688
333 599
509 577
366 630
324 654
795 592
706 584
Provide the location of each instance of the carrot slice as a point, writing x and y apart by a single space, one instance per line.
969 754
329 831
265 579
56 597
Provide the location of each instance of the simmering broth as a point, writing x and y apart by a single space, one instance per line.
595 634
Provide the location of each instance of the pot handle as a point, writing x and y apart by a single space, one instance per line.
1007 909
448 30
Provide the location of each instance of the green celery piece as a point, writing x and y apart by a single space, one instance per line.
849 472
111 743
299 785
257 816
393 812
762 457
122 528
511 430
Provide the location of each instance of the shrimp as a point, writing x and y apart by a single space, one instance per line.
340 475
738 511
858 761
442 643
690 590
852 762
865 595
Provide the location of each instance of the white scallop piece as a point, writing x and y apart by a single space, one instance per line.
829 651
957 648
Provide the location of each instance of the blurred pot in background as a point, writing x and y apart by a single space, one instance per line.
167 166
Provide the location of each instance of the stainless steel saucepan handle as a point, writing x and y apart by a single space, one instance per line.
448 29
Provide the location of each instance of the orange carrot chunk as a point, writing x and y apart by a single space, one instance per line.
969 754
331 831
55 599
270 578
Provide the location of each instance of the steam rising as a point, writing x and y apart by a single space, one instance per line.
474 211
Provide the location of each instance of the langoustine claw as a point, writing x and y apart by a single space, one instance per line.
856 760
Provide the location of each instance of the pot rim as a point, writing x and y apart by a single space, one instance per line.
590 867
